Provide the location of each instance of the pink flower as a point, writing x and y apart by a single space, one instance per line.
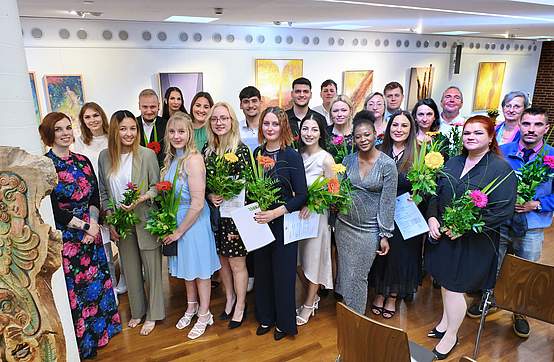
131 186
85 260
80 330
80 277
79 157
72 299
70 249
108 283
549 161
66 177
479 198
103 340
116 319
90 311
338 140
66 264
91 272
86 170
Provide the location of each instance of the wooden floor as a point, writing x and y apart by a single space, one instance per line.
316 341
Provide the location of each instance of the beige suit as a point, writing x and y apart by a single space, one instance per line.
140 248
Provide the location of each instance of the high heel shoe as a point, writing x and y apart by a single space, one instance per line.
235 324
300 321
441 356
435 333
185 320
224 316
200 327
261 330
278 335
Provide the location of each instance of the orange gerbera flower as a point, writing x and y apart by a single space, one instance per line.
333 186
266 162
163 186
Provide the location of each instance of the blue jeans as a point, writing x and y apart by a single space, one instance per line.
528 247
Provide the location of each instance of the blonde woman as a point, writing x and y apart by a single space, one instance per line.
126 161
376 103
196 258
224 137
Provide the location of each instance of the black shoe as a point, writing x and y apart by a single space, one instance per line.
409 297
215 284
261 330
474 310
278 335
521 326
434 333
323 292
436 284
224 316
441 356
234 324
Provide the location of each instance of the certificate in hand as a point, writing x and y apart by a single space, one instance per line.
408 218
227 206
253 235
296 228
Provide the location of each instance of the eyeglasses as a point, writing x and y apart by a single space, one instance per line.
220 119
515 107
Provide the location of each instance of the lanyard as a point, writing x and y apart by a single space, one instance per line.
155 135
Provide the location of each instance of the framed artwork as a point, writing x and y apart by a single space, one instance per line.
421 84
488 87
357 84
274 80
38 111
64 93
188 83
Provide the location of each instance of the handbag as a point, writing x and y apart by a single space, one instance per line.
215 217
170 249
517 225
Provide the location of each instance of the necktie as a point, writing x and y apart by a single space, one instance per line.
526 154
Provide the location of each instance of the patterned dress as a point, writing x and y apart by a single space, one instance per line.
87 278
226 242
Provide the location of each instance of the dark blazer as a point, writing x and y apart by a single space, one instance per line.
160 126
294 121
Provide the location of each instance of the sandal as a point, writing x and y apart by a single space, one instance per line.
386 313
147 328
300 321
185 320
377 310
200 327
133 322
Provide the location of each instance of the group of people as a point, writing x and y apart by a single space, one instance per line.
352 252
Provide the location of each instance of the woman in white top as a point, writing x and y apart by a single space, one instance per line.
93 139
315 253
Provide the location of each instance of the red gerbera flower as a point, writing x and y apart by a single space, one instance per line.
163 186
155 146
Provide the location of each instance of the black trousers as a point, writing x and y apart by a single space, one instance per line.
275 274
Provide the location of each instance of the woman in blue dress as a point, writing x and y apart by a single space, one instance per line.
196 258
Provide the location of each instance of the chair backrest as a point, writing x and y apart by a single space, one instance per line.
362 339
466 359
527 288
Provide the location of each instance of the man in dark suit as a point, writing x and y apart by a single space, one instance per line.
301 94
152 127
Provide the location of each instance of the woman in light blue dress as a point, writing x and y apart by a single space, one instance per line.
196 258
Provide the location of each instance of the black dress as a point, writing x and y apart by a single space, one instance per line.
470 262
399 272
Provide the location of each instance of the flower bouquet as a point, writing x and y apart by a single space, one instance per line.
120 219
218 178
531 175
428 163
162 221
260 187
326 192
450 144
340 148
464 213
154 146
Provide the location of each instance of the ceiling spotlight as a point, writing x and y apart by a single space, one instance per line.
276 22
83 13
290 23
218 11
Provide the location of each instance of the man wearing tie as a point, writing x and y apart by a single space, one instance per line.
152 127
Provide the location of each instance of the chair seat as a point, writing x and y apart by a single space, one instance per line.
420 354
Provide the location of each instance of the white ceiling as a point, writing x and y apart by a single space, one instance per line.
497 18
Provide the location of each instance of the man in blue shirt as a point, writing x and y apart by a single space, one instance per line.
533 126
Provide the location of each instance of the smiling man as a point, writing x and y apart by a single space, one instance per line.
301 94
152 127
451 102
327 94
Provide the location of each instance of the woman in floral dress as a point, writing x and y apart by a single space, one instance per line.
76 204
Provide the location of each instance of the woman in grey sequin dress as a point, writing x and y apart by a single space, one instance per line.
363 232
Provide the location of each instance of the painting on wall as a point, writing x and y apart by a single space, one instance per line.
188 83
357 85
421 84
33 81
64 93
274 80
488 88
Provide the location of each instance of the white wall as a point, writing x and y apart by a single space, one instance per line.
114 71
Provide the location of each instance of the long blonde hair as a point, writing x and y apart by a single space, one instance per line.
114 141
170 151
344 99
228 142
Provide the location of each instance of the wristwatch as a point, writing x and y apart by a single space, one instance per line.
86 226
539 207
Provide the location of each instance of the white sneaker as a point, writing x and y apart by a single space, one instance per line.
121 287
250 285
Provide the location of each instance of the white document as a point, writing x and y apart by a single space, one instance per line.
296 228
253 235
408 218
227 206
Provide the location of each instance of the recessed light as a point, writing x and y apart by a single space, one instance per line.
88 2
190 19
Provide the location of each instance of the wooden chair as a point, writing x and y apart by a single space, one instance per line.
362 339
523 287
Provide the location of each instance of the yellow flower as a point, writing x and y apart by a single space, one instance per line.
431 134
338 168
434 160
231 157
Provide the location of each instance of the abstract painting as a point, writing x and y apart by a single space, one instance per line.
421 84
274 80
33 81
65 94
488 88
188 83
357 84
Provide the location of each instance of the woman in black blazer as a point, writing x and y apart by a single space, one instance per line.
275 264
